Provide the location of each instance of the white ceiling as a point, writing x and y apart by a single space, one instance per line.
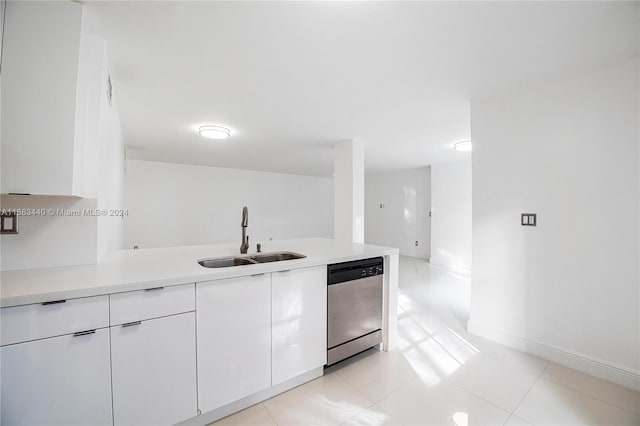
293 78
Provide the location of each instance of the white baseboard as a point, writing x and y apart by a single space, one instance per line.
605 370
218 413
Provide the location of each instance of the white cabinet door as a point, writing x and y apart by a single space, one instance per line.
299 318
62 380
234 339
40 78
154 371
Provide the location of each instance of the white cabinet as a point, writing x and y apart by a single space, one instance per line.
57 381
299 322
40 69
234 339
54 76
154 371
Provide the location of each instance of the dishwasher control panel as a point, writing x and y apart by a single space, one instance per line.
349 271
371 271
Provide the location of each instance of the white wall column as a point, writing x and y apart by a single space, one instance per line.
349 191
451 206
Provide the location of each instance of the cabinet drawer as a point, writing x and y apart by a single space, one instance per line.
37 321
152 303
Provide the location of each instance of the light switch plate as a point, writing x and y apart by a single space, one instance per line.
528 219
8 223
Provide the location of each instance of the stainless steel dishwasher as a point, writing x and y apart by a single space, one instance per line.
354 305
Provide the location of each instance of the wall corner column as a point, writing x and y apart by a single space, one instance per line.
349 191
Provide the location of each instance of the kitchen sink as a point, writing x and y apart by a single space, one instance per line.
225 262
276 257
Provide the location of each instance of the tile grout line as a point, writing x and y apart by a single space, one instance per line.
493 358
527 394
351 387
589 396
396 390
268 412
455 384
358 413
488 355
353 390
477 396
508 418
473 393
517 367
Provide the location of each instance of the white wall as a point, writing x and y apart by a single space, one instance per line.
451 214
569 288
404 217
110 179
99 165
52 239
177 204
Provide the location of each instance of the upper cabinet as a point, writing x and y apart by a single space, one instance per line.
53 74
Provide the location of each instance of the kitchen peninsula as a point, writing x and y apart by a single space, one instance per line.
225 338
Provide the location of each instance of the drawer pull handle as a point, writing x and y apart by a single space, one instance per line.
54 302
153 289
285 271
131 324
84 333
257 275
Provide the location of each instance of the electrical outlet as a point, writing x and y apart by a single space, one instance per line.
416 244
528 219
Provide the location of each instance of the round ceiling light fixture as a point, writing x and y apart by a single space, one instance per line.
210 131
464 146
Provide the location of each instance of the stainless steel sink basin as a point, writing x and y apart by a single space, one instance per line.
277 257
224 262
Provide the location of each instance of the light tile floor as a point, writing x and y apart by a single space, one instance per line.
441 375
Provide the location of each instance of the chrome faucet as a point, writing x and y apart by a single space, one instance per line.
245 238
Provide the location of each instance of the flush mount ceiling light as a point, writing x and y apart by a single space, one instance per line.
214 132
464 146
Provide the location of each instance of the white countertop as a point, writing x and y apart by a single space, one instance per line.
127 270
